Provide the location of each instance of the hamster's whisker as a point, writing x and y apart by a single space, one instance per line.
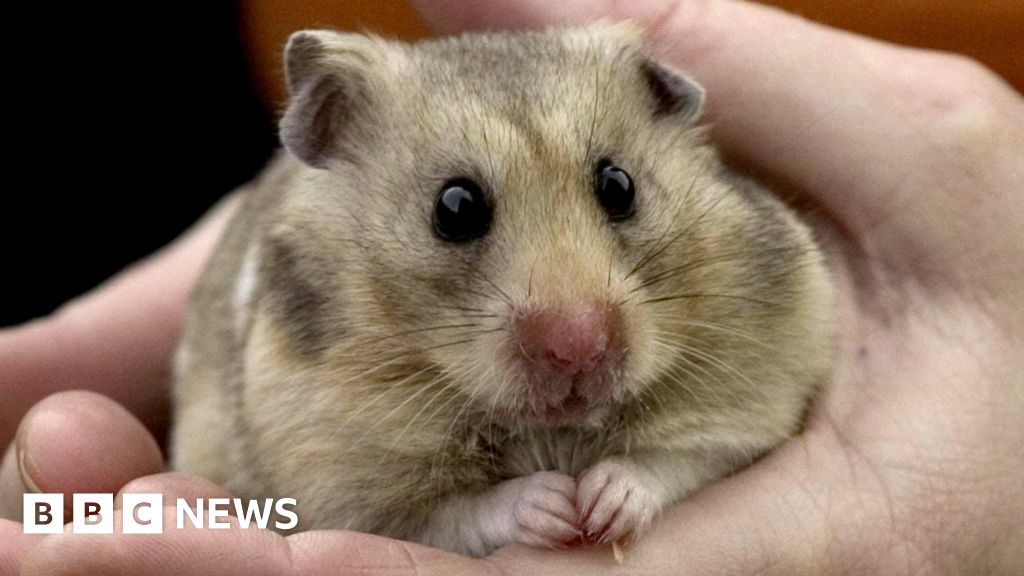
593 114
700 262
714 390
479 332
648 393
654 245
680 380
658 247
626 299
506 380
671 377
410 352
395 385
394 410
459 308
681 349
678 384
483 295
481 316
608 282
484 277
529 284
685 230
445 345
662 299
391 360
441 452
381 364
469 312
467 401
445 385
487 148
715 361
719 327
724 366
379 339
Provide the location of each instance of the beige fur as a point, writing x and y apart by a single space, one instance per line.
366 368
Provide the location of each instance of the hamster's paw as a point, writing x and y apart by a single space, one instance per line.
544 510
616 499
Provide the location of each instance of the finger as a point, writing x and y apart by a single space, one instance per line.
116 340
238 551
77 442
11 485
174 485
879 135
14 546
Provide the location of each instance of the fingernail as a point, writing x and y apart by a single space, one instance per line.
23 465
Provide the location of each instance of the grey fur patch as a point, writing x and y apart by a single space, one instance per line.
293 298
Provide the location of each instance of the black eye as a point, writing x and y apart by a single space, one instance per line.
615 190
462 212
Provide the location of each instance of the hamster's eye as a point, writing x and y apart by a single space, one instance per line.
615 190
462 212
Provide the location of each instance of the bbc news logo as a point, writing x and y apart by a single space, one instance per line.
144 513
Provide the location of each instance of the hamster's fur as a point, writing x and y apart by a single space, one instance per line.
340 352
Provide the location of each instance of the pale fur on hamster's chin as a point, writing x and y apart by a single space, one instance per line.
338 351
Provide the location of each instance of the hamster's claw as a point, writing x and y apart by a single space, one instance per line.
615 501
545 511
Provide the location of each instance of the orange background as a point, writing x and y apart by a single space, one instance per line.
988 30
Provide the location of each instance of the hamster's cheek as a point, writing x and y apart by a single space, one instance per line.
645 357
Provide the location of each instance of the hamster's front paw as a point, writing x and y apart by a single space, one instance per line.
616 499
544 510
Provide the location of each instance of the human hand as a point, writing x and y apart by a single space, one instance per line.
116 340
910 460
78 441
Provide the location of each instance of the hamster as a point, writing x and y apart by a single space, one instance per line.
497 288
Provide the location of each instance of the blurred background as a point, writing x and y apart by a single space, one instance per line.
129 123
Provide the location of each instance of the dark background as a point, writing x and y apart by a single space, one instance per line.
125 125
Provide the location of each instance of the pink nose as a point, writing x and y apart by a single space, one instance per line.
570 341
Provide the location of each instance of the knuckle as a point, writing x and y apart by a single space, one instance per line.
960 102
967 69
951 86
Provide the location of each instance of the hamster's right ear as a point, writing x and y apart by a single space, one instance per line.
330 79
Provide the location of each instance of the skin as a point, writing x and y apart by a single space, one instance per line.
911 460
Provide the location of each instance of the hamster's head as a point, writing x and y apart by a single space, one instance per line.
534 223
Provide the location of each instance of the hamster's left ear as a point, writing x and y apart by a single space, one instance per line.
675 93
333 78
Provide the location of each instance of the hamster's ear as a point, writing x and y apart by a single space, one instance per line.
674 93
329 77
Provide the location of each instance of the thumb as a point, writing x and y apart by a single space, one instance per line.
241 551
75 442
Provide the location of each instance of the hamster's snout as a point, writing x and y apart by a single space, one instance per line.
570 356
569 341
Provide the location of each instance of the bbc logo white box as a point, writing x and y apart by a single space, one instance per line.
142 513
43 513
93 514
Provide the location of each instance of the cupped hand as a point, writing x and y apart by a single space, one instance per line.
910 461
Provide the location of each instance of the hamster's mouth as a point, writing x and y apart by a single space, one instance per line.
573 409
